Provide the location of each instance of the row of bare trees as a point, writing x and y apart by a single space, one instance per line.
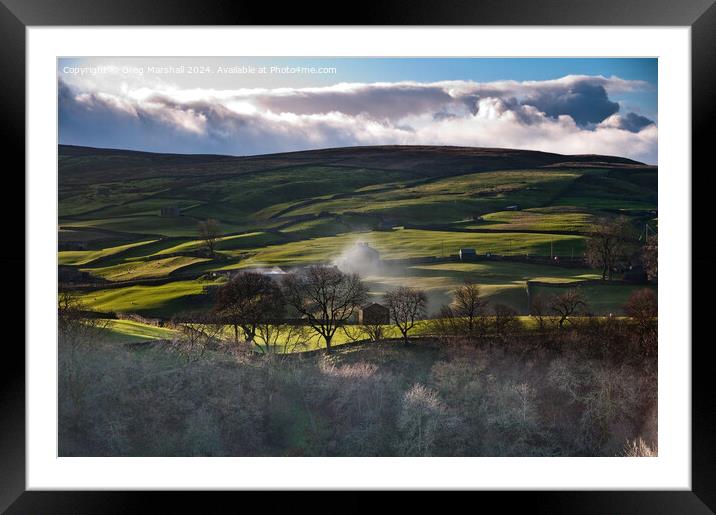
318 301
471 317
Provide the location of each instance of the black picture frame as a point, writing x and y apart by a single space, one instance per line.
700 15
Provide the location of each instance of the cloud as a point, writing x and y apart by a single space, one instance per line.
573 114
631 122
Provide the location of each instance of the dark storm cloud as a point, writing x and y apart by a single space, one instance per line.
586 102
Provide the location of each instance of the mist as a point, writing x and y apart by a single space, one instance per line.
381 276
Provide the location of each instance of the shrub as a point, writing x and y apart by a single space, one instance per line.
423 416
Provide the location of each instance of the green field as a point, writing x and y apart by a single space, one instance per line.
129 331
144 269
84 257
309 207
164 300
537 219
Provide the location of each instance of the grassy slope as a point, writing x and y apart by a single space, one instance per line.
454 198
144 269
85 257
535 220
163 300
127 331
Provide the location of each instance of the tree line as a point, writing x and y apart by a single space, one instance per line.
263 311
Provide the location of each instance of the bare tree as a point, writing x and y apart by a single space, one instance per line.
373 330
642 307
540 309
567 304
649 257
407 306
78 329
609 244
445 325
75 324
69 315
248 300
209 232
279 337
504 321
196 337
325 296
469 304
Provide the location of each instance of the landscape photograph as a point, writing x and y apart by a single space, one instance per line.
301 257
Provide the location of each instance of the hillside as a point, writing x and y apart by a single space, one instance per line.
131 217
81 162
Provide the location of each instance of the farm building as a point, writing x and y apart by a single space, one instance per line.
466 254
373 314
170 211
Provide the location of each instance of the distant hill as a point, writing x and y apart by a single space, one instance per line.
81 163
430 158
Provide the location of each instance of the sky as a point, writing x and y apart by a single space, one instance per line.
260 105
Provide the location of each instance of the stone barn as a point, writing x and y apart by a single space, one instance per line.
373 314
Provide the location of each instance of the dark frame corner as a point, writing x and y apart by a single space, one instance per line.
700 15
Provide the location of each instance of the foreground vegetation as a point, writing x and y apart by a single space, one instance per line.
588 390
476 381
